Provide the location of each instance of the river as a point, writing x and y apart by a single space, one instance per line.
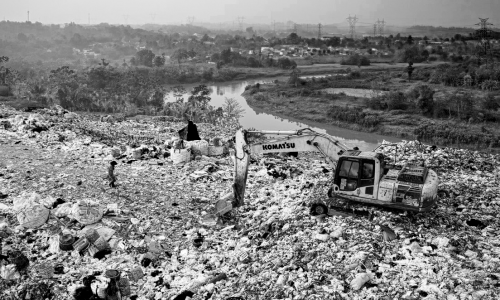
260 120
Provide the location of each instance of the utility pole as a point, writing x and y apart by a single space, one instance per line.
352 25
483 35
319 31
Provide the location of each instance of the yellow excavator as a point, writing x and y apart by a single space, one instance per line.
359 176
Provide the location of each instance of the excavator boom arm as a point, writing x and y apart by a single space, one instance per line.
300 141
292 141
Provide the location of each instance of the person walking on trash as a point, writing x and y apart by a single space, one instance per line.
111 175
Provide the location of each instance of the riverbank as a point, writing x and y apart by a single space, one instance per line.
314 101
317 69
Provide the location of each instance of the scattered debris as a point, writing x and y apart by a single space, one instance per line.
155 236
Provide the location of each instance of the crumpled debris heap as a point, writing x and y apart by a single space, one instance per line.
164 241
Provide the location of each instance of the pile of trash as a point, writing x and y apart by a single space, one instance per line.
154 236
31 123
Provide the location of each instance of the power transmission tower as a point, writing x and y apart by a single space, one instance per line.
483 35
381 25
28 15
126 19
274 26
375 30
190 20
295 27
89 18
153 17
352 25
240 21
319 31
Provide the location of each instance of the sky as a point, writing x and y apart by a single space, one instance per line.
394 12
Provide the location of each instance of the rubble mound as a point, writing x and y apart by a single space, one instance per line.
154 235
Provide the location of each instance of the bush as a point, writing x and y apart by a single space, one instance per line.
491 103
409 54
376 103
353 115
354 74
355 60
260 97
454 133
286 63
422 96
421 74
396 100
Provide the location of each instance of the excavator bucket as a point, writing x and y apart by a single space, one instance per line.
241 161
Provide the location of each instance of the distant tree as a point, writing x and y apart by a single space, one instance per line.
294 77
233 108
293 38
145 57
249 30
192 53
286 63
159 60
409 40
215 57
22 37
424 54
3 70
225 56
200 94
410 70
491 103
180 54
133 61
205 38
409 54
78 41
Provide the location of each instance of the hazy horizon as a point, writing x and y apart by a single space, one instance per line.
462 13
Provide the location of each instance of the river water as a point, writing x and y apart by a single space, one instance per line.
261 120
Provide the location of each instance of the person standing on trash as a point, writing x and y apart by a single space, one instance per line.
111 174
190 132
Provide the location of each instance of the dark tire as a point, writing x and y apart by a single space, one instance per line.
443 194
318 209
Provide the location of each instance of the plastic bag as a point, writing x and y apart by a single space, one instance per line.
30 211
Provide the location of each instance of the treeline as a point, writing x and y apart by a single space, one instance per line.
466 74
228 57
105 88
461 105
